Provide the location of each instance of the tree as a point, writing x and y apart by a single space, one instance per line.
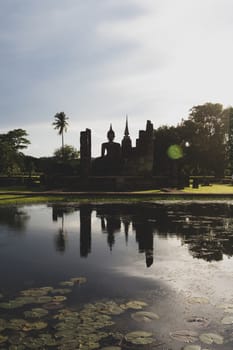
61 124
228 129
11 157
205 131
67 153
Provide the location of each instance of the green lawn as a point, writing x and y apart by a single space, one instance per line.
212 189
8 198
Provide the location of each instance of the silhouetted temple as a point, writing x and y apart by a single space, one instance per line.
120 166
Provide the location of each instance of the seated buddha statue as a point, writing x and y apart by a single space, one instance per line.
111 149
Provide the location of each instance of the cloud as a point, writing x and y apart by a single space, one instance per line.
99 60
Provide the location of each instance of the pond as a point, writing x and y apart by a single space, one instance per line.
117 276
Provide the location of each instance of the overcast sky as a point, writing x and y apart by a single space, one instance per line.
98 60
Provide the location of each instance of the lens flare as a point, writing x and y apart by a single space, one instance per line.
175 152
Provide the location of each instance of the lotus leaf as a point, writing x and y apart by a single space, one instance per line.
16 338
12 304
198 321
36 313
117 335
16 347
43 299
67 283
21 301
65 313
144 316
61 291
139 337
17 324
91 345
110 308
135 304
184 336
33 343
227 320
53 306
47 289
192 347
35 292
210 338
58 298
111 348
78 280
228 308
198 300
3 324
3 338
48 340
5 305
34 326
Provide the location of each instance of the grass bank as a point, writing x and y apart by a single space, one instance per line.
14 196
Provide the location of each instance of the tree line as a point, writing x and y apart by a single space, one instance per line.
205 140
202 144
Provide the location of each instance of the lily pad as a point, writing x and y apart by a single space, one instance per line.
3 339
78 280
210 338
58 298
227 320
13 304
3 324
36 313
17 324
144 316
109 308
34 326
139 338
36 292
67 283
198 321
16 347
228 308
192 347
33 343
53 306
135 304
43 299
111 348
184 336
198 300
48 340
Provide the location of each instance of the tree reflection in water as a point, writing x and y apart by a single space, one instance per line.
206 229
61 237
14 217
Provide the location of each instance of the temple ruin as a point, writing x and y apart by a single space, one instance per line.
120 166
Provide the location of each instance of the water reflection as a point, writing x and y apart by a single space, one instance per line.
85 231
14 217
207 229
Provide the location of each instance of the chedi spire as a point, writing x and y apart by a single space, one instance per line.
126 143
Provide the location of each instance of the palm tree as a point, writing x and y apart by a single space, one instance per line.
61 124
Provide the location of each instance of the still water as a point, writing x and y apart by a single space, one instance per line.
148 276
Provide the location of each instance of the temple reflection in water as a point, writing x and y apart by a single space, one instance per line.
111 223
207 231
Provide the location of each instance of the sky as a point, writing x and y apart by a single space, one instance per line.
100 60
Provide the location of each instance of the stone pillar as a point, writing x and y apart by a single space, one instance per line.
85 153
